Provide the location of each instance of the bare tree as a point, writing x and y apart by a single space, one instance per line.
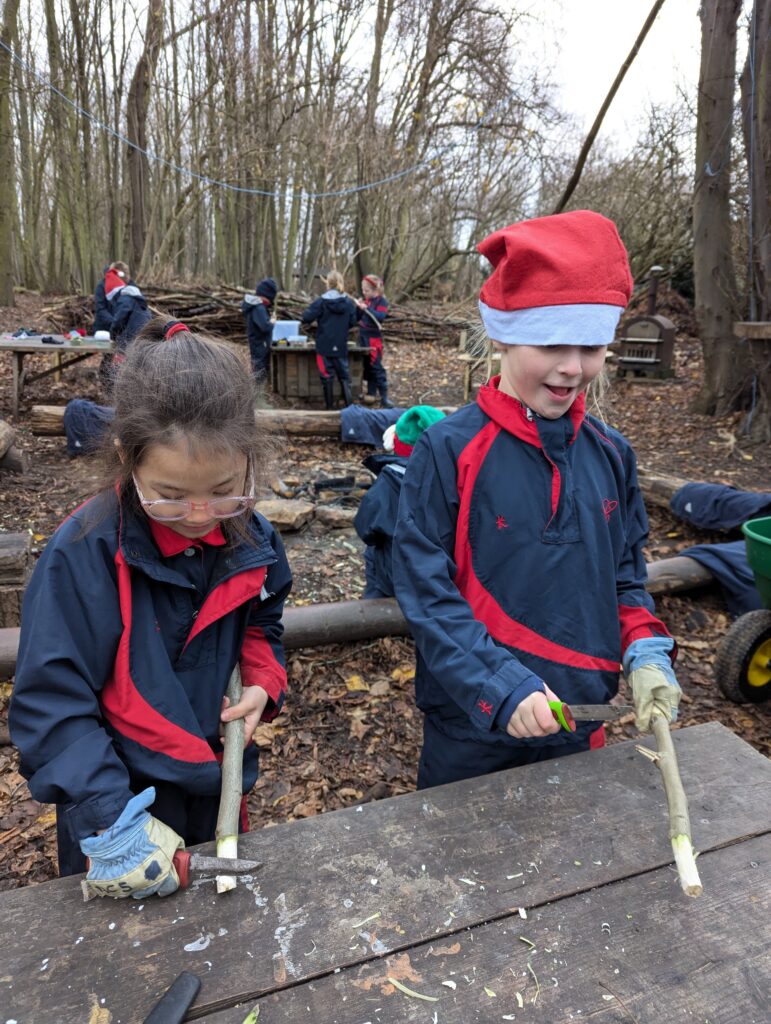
725 372
7 176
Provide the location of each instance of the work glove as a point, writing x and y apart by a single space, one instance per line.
648 670
134 857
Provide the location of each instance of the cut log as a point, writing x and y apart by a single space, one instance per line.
658 488
49 420
675 575
342 622
352 621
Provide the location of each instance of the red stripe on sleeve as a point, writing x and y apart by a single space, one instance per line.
260 667
638 622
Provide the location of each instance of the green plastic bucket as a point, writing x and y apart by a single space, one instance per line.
757 537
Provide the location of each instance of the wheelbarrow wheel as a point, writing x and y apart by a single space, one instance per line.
743 662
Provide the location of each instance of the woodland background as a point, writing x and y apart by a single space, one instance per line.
225 141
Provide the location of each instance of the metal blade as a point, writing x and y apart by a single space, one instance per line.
600 712
222 865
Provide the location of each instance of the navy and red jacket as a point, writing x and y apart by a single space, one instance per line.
378 307
129 635
129 315
375 521
518 558
259 327
335 314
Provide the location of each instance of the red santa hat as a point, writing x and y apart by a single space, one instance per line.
113 281
559 280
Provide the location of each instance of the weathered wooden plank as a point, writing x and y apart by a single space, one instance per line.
631 951
429 863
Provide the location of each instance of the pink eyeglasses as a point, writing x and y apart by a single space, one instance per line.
169 510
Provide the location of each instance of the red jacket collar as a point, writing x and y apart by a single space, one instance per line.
172 543
512 415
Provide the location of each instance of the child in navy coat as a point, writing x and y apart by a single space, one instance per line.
335 314
374 310
375 520
140 607
259 325
518 554
128 305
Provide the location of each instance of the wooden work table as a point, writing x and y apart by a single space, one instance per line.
22 347
294 372
425 889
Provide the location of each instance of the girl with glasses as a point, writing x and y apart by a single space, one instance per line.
143 602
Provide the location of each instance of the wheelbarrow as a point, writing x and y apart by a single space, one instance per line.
743 662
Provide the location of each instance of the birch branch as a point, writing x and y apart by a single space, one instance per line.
232 777
679 822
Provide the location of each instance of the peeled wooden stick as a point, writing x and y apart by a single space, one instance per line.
679 822
232 777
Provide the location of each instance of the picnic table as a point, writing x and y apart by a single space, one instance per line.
544 893
78 349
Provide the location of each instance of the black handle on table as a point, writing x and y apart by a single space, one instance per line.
172 1007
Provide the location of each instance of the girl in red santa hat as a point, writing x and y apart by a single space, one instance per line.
518 552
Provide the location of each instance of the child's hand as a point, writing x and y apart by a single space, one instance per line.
250 708
533 716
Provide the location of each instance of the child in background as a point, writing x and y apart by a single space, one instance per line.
141 605
102 311
257 310
374 310
128 304
518 554
335 313
375 520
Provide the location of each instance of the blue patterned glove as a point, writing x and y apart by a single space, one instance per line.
648 670
134 857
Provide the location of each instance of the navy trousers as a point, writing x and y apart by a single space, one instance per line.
333 365
446 759
374 372
259 353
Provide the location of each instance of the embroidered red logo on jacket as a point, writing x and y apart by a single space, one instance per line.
501 523
486 708
608 506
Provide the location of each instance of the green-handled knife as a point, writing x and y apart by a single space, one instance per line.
568 714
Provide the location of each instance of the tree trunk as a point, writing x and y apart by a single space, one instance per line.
7 172
136 130
726 368
756 121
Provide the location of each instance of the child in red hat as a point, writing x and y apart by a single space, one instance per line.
518 554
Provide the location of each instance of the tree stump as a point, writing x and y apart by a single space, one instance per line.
15 569
12 459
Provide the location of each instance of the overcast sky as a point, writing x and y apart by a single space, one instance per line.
595 37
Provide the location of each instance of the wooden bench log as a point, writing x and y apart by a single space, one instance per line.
49 420
351 621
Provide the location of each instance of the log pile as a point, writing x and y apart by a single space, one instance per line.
217 311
